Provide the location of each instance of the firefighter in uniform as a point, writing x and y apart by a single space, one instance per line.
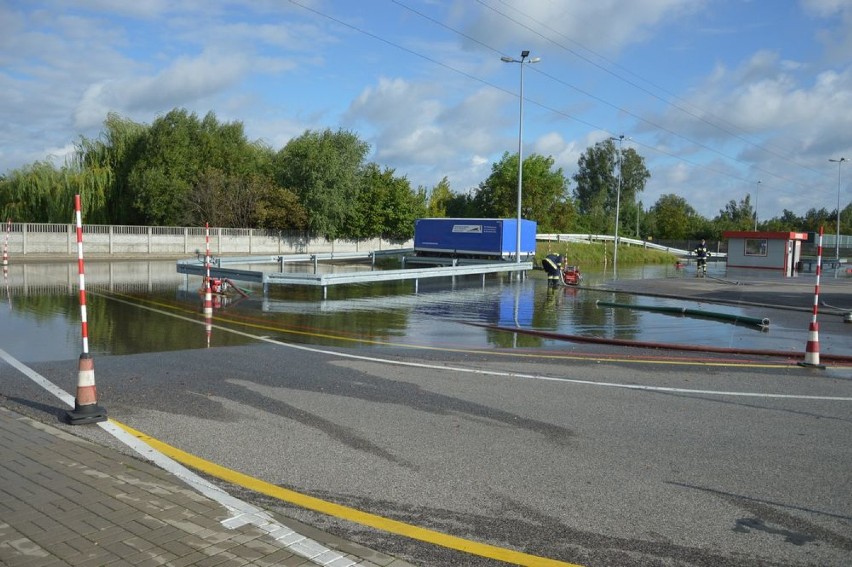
552 265
701 254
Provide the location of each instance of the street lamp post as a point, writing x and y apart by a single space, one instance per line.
620 141
524 54
756 197
837 237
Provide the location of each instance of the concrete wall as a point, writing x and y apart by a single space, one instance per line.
39 239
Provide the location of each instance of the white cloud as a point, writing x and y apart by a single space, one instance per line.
603 25
418 133
826 8
763 99
185 81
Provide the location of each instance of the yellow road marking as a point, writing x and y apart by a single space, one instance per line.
344 512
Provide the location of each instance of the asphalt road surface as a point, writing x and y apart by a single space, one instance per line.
592 456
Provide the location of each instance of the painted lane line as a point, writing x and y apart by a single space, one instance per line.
49 386
345 512
172 460
499 373
242 513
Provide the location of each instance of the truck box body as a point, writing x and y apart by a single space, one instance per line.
473 238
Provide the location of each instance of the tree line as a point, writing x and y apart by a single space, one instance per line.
183 170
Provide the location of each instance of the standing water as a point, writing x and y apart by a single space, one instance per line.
140 306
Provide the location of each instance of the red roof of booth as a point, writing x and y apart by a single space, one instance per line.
767 235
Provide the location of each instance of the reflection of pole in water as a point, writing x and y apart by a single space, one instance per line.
208 329
516 309
6 262
6 285
6 243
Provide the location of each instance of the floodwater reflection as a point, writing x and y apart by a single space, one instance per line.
139 306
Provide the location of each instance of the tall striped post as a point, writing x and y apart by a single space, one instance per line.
86 409
812 347
6 242
208 291
208 288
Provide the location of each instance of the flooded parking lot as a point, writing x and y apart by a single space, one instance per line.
146 306
651 459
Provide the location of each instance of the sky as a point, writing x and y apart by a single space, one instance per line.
722 98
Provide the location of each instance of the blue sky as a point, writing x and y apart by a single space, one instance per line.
722 98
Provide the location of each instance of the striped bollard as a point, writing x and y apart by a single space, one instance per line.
812 347
208 292
86 409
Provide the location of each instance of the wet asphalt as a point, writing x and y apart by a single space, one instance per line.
593 455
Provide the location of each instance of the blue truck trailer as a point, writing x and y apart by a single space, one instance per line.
474 238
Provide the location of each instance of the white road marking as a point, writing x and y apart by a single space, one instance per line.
504 374
242 513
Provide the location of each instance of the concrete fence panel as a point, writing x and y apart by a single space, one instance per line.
60 240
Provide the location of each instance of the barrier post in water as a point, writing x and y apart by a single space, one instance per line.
208 291
812 347
86 409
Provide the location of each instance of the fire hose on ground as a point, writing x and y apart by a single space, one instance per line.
762 322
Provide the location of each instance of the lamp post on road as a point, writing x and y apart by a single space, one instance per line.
839 162
620 140
522 60
756 197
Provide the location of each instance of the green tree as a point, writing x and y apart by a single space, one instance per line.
673 217
228 200
324 170
387 206
814 219
787 222
461 206
594 180
597 185
108 161
545 196
439 199
178 153
279 209
735 216
41 192
846 219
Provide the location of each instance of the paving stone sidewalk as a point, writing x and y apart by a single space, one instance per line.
67 501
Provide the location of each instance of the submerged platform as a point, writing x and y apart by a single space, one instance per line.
218 269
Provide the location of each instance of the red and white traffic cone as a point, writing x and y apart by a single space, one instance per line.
812 348
86 409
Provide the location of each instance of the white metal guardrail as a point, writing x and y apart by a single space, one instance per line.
587 238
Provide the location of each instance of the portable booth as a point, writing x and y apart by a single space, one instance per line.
778 251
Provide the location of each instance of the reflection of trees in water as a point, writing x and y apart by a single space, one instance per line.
569 311
313 328
45 307
573 311
508 339
119 328
351 314
589 320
